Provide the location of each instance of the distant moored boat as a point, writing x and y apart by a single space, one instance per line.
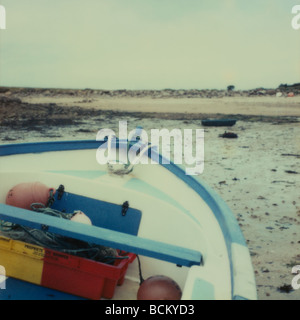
218 122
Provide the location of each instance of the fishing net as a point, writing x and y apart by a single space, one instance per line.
57 242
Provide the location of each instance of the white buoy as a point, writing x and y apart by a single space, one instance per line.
79 216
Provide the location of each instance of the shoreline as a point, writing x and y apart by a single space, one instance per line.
167 103
16 110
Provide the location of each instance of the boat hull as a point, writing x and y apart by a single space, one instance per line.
177 209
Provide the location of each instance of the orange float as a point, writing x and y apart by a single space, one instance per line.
24 194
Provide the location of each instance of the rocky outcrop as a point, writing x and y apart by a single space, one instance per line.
154 94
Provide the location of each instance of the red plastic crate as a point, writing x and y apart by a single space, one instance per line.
83 277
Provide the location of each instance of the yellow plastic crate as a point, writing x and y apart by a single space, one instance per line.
22 260
61 271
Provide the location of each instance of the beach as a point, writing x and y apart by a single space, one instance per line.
257 174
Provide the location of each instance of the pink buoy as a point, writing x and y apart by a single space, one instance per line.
24 194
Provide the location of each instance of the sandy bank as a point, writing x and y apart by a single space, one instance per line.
265 106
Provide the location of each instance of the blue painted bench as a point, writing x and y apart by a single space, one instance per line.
102 236
103 214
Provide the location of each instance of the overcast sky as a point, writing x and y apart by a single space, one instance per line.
149 44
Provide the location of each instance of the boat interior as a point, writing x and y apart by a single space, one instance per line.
151 213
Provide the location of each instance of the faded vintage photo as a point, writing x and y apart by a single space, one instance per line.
149 150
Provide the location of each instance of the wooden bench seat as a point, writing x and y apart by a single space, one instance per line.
101 236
